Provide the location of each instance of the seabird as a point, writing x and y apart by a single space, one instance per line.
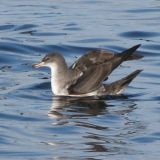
86 76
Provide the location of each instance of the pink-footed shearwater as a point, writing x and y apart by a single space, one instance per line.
87 75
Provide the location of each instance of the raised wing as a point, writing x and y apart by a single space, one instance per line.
92 58
96 57
95 67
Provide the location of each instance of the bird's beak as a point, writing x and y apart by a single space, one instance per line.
38 65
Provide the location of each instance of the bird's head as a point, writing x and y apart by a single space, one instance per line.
49 60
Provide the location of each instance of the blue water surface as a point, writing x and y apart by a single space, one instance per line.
35 125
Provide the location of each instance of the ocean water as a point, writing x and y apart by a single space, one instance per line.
34 125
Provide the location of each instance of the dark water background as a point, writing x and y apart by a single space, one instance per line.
114 129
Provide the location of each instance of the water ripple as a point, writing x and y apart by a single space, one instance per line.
7 27
34 124
18 118
139 34
146 10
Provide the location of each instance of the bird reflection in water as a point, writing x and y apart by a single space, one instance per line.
72 107
79 113
79 107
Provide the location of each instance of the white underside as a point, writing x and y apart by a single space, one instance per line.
119 92
60 89
83 95
64 92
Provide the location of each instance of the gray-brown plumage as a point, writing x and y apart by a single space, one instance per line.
86 76
118 86
99 56
95 72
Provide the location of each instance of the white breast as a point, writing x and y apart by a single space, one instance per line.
57 81
58 88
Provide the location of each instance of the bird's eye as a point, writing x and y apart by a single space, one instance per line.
46 58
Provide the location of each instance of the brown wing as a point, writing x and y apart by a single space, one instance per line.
93 57
96 68
96 57
89 81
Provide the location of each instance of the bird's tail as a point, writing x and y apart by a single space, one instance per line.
118 86
134 56
124 56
